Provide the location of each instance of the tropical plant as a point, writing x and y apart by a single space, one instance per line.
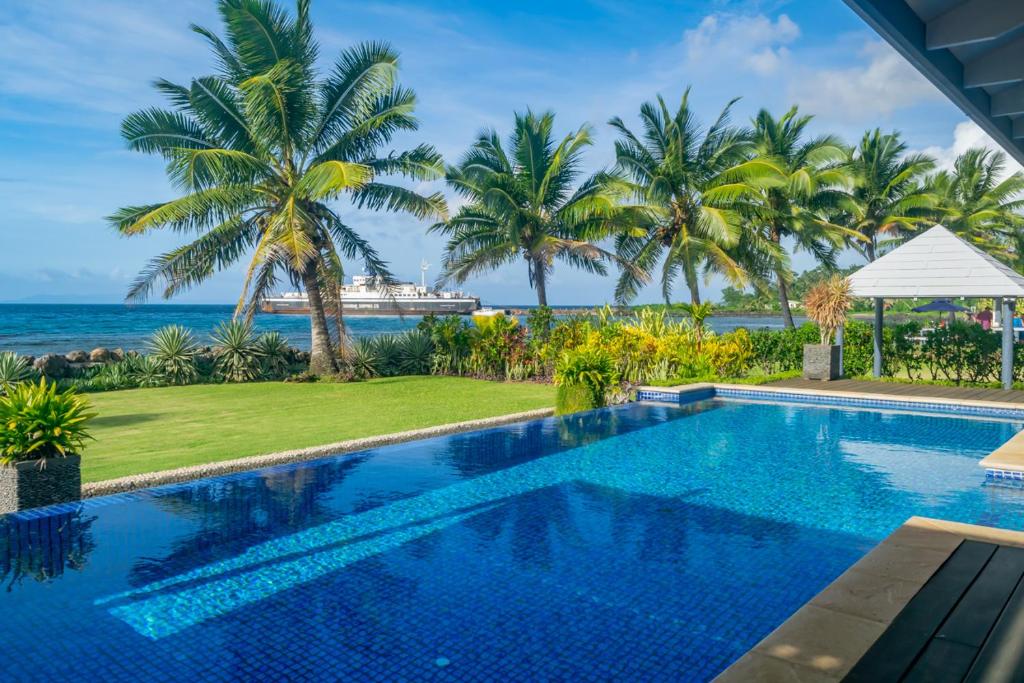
236 353
174 350
14 369
274 354
977 203
415 353
451 337
258 151
387 348
363 361
38 422
497 342
807 184
827 304
889 198
522 206
690 181
583 377
147 371
111 377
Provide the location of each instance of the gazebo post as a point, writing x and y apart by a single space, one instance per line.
1007 321
839 343
877 368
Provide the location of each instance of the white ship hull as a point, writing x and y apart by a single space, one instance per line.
363 297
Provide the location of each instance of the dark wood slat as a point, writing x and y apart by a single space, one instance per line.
1002 656
895 651
971 620
942 660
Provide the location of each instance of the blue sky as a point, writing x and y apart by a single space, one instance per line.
71 70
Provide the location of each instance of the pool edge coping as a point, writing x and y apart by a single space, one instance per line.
179 475
1005 462
832 631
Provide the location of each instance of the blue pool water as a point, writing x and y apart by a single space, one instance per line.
645 542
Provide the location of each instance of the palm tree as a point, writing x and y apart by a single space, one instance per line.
260 149
688 178
889 199
976 205
522 205
808 183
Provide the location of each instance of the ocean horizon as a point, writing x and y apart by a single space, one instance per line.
37 328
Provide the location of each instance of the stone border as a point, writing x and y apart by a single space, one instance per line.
822 640
213 469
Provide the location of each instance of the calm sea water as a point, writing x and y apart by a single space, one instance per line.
47 328
645 542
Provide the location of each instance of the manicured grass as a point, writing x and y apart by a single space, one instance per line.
146 430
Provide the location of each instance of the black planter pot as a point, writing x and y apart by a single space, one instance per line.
822 361
25 485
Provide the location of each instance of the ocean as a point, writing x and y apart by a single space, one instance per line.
35 329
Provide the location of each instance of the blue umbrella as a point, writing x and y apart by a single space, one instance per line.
944 305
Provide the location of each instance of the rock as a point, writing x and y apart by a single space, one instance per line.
99 355
76 357
52 365
117 355
30 360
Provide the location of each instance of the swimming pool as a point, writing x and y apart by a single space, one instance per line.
649 541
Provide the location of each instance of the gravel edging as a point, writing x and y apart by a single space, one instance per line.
181 474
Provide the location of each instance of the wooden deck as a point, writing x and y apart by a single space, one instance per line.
894 389
965 624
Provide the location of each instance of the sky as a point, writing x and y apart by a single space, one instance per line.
71 71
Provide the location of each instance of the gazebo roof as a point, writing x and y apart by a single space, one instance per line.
936 263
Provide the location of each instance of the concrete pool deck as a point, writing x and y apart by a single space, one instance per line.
825 638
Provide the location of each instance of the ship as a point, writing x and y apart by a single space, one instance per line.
366 295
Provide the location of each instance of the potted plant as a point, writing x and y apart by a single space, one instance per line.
826 304
42 432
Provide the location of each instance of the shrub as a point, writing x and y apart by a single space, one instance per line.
111 377
364 361
146 370
37 421
452 341
584 371
274 354
236 355
14 369
415 353
387 349
497 342
174 349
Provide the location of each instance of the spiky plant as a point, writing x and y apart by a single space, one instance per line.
14 369
363 361
274 354
174 349
237 357
827 304
38 421
387 348
415 353
262 148
147 371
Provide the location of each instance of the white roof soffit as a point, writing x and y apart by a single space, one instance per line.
936 264
971 50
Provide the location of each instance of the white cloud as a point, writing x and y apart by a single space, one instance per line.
967 135
881 84
754 43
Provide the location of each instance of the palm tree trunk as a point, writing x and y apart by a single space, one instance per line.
540 283
787 315
321 357
869 250
692 284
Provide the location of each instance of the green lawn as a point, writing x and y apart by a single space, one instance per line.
145 430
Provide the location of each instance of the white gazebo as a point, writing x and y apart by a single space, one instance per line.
939 265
